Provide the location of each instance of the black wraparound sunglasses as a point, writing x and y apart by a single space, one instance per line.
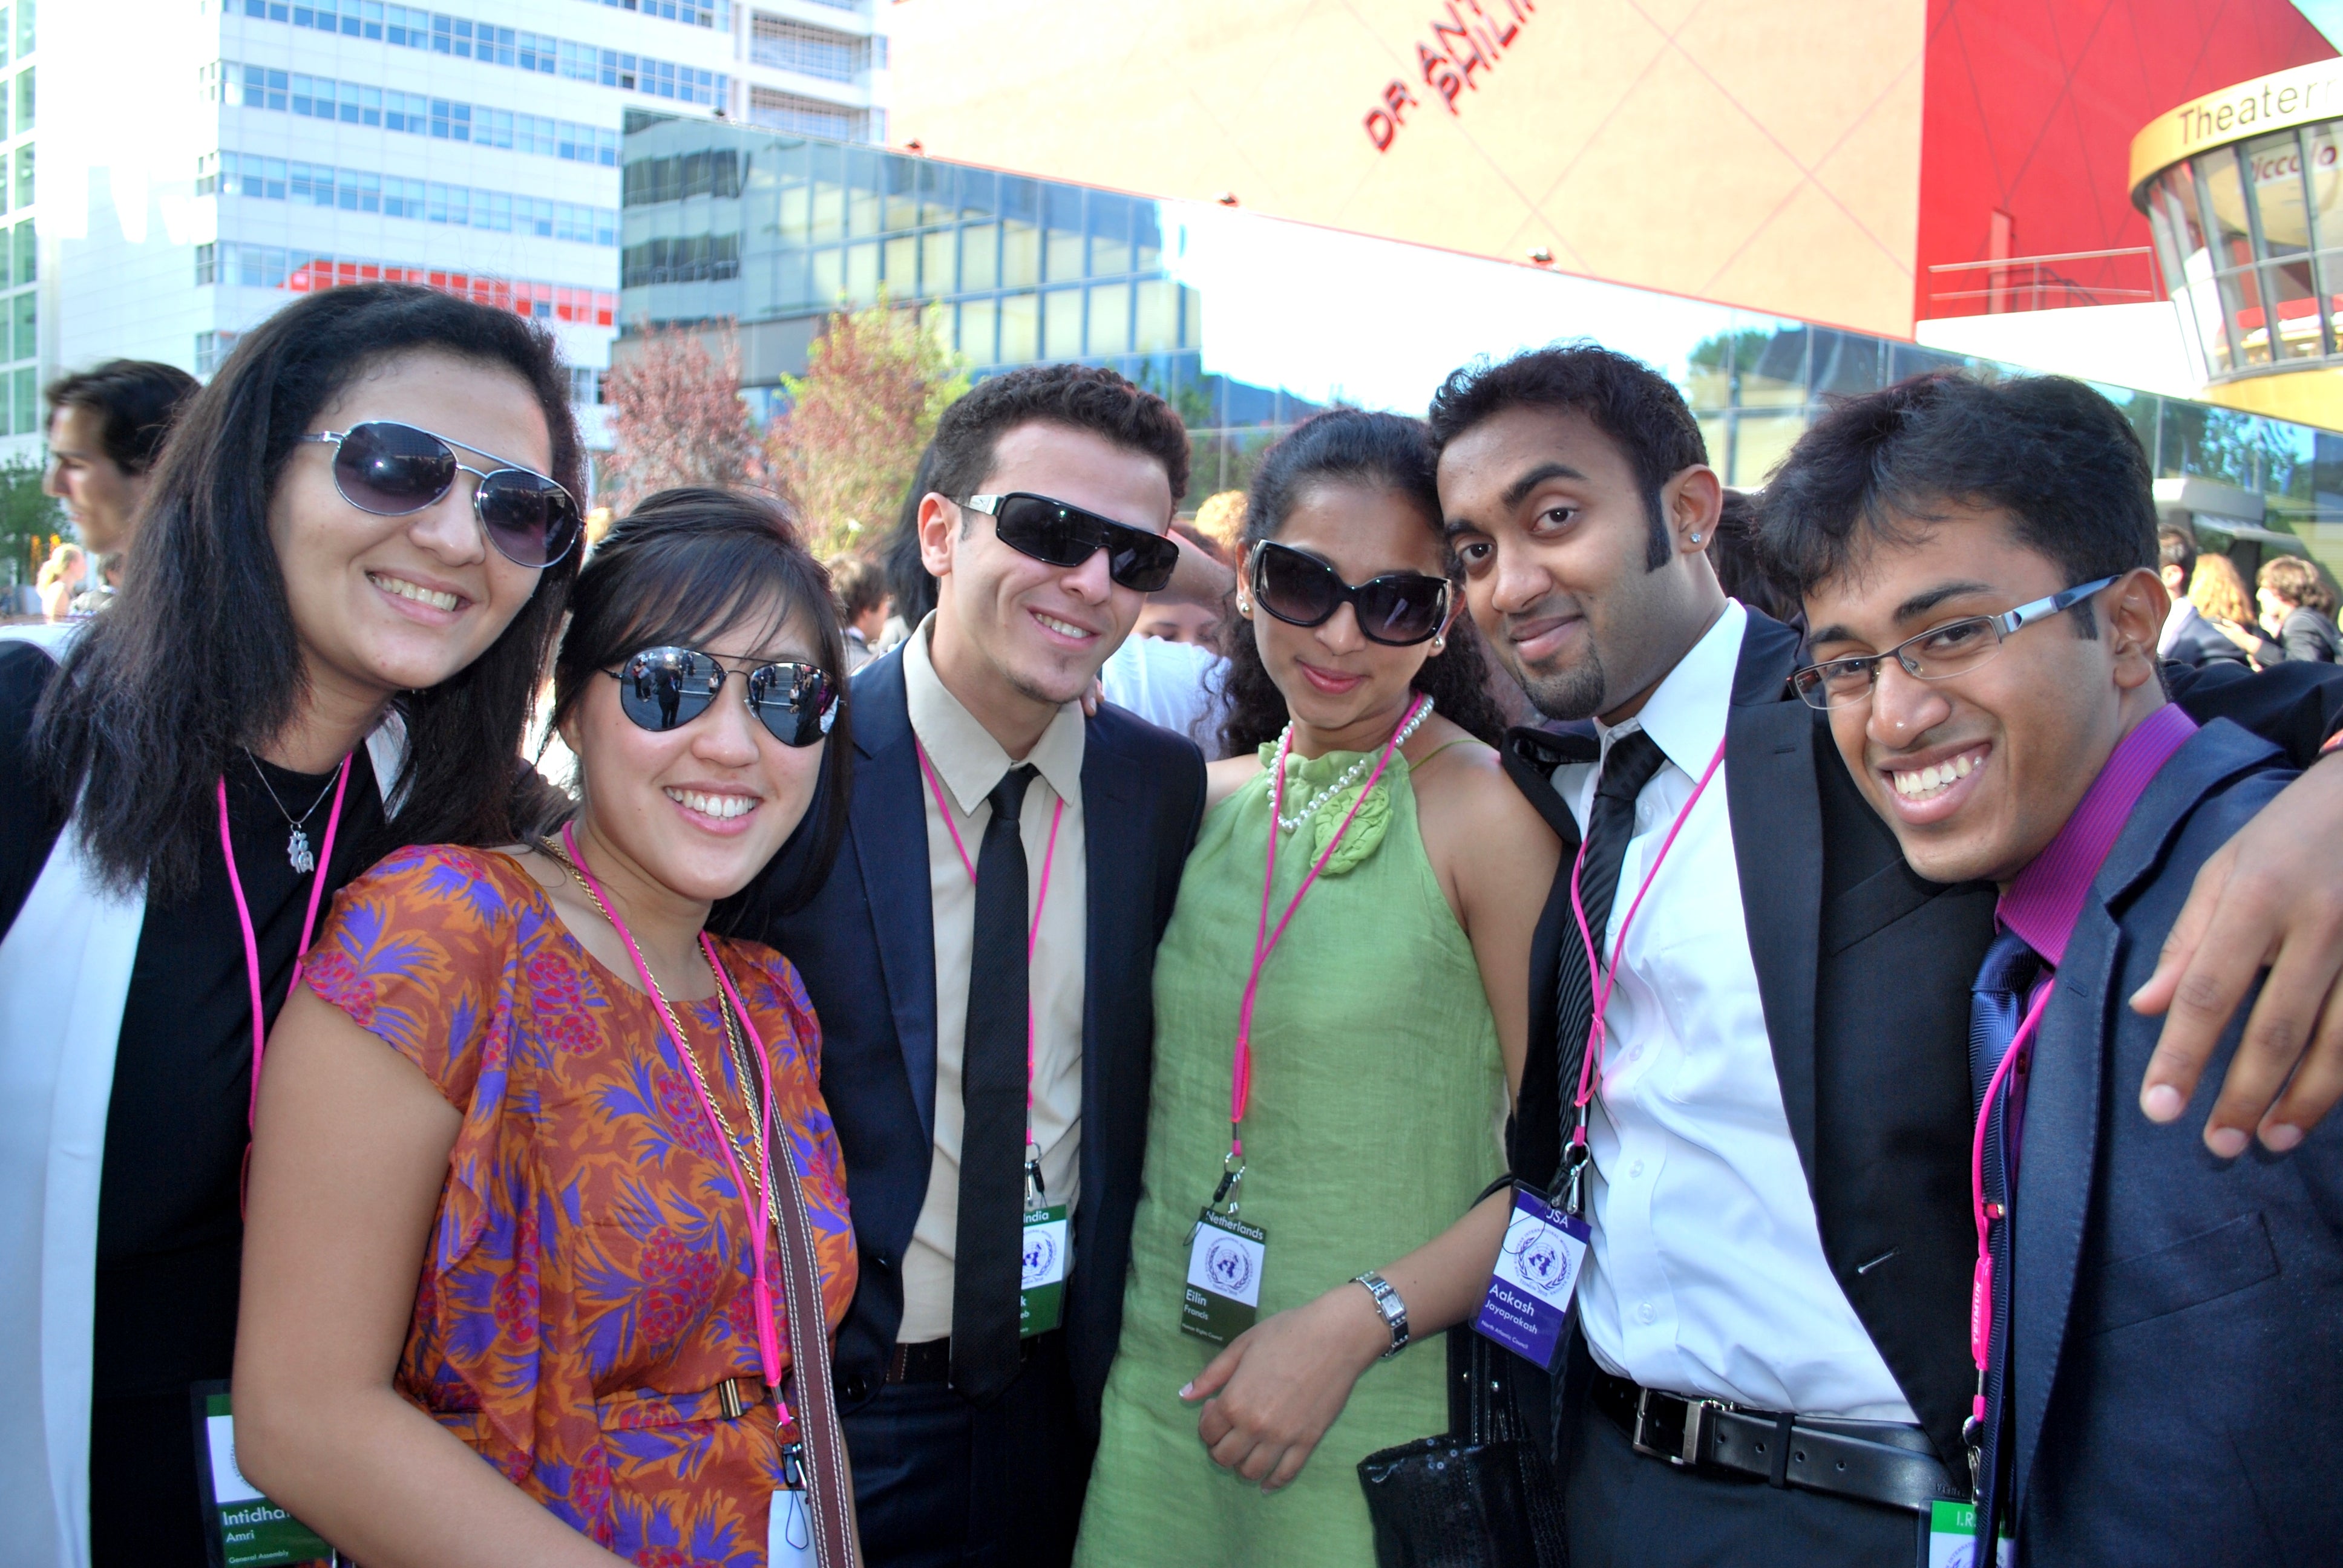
663 689
394 470
1397 609
1065 536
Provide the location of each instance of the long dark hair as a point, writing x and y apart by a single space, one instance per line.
198 655
1381 452
685 568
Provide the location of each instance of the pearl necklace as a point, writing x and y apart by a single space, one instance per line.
1350 776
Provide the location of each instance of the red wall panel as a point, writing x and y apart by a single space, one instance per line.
2030 109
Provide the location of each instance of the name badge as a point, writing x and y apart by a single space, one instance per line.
242 1527
788 1527
1528 1304
1222 1297
1952 1535
1041 1287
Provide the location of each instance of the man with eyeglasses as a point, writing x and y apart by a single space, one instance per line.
1770 1361
981 960
2160 1342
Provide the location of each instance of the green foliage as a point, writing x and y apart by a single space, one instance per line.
27 520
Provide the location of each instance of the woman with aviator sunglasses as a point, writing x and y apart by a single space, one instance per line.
584 1217
1340 1004
298 674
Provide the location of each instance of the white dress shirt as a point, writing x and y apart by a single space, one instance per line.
969 762
1706 1276
2175 620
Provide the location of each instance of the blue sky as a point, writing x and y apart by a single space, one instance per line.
2327 15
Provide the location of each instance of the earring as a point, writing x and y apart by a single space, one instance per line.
1439 644
1244 605
1696 539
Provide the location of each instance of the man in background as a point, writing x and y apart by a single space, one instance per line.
105 426
860 585
2187 638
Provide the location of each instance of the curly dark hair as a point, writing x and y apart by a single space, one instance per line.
1079 397
1353 447
198 655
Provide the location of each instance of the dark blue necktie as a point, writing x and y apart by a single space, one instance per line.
1996 1006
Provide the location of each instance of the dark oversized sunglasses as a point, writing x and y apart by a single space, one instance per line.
1066 536
1397 609
663 689
393 470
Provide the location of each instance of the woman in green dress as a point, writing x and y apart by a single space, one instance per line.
1386 1032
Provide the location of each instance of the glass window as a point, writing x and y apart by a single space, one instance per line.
902 203
1021 325
24 175
1109 330
796 214
1110 236
980 195
1061 324
935 187
978 318
1064 250
829 211
1147 241
902 272
28 402
28 251
861 192
980 256
1762 439
862 274
2176 192
1021 255
2221 188
27 334
936 277
1021 198
1192 319
828 277
2281 209
25 99
1157 329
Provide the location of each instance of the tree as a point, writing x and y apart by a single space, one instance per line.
30 521
876 381
676 418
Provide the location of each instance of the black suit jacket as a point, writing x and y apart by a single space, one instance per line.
2176 1344
866 947
1864 970
2201 642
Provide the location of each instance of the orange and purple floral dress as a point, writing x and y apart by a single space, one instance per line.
586 1287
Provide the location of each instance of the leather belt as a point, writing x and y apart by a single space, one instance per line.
930 1360
1875 1461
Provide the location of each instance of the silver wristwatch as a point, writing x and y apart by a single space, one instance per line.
1394 1310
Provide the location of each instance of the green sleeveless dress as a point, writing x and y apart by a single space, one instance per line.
1378 1097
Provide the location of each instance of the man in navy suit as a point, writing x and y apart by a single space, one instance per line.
981 958
2162 1359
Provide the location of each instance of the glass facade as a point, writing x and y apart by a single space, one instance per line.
1247 325
2250 238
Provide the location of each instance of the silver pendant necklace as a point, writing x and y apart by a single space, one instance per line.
297 844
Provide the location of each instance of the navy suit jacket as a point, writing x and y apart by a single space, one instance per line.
866 947
1864 970
2176 1347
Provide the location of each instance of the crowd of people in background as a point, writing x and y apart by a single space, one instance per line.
996 1050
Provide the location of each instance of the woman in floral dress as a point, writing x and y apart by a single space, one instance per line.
529 1229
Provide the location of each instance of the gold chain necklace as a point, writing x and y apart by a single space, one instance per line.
753 1172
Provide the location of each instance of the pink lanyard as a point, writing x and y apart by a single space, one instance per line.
768 1344
1590 1066
1264 940
252 942
1981 1281
1032 935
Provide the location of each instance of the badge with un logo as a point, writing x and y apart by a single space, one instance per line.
1042 1274
1223 1295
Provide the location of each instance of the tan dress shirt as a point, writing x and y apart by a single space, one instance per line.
970 762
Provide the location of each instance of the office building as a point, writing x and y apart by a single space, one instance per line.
204 163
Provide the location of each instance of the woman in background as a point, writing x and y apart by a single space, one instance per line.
1389 1021
534 1145
2297 608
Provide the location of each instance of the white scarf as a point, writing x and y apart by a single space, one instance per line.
64 975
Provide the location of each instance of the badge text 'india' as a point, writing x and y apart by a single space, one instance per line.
1467 37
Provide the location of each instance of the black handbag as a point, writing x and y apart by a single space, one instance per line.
1482 1495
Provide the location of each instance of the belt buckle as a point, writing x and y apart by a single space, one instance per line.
1685 1445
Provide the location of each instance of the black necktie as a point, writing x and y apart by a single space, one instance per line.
985 1267
1996 1006
1545 1102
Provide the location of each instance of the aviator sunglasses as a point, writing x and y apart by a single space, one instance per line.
394 470
1064 536
1397 609
663 689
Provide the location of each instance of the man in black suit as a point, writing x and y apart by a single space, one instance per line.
2166 1358
981 960
2187 636
1783 1244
